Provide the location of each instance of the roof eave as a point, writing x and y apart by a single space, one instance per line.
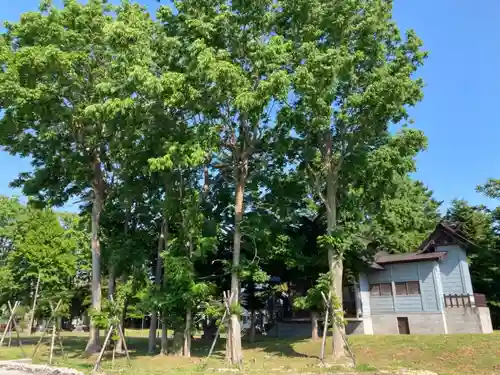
438 256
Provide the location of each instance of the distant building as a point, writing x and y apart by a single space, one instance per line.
427 291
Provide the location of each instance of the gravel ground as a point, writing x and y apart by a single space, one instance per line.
25 368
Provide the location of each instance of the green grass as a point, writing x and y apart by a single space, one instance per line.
445 355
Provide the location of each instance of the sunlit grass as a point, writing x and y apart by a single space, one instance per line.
446 355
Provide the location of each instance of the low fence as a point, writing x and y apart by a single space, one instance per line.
465 300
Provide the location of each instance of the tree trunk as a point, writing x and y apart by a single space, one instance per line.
187 334
228 344
164 336
338 313
152 332
154 313
177 342
187 330
314 323
164 329
252 326
111 281
235 331
33 308
119 343
98 190
334 259
206 180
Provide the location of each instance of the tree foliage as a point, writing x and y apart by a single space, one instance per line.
47 246
480 225
218 146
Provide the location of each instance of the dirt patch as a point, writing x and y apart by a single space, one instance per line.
466 352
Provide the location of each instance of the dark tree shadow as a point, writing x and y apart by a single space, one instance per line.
74 346
277 346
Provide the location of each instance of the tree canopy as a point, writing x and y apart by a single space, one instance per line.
219 145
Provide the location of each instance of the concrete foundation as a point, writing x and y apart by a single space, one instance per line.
368 325
453 320
485 319
302 329
468 320
419 323
355 327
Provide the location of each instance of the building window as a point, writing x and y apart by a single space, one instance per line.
408 288
381 289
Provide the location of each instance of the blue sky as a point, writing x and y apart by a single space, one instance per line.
458 113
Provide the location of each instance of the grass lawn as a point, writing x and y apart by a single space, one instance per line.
446 355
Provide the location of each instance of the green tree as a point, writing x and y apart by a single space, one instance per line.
45 262
41 248
404 217
237 67
257 292
491 188
77 237
314 302
353 76
10 211
186 240
480 225
67 88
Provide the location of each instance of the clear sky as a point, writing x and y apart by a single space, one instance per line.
459 112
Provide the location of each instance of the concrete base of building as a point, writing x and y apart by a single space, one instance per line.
453 320
302 329
354 326
485 319
418 323
468 319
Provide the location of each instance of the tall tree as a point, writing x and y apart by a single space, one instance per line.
353 76
67 86
236 63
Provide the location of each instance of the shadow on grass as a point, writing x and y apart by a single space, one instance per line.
277 347
74 347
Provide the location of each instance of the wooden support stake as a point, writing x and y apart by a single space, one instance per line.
217 334
351 353
56 323
32 318
99 358
8 323
39 342
325 326
10 334
230 348
45 331
52 343
122 335
13 321
120 332
344 337
60 342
